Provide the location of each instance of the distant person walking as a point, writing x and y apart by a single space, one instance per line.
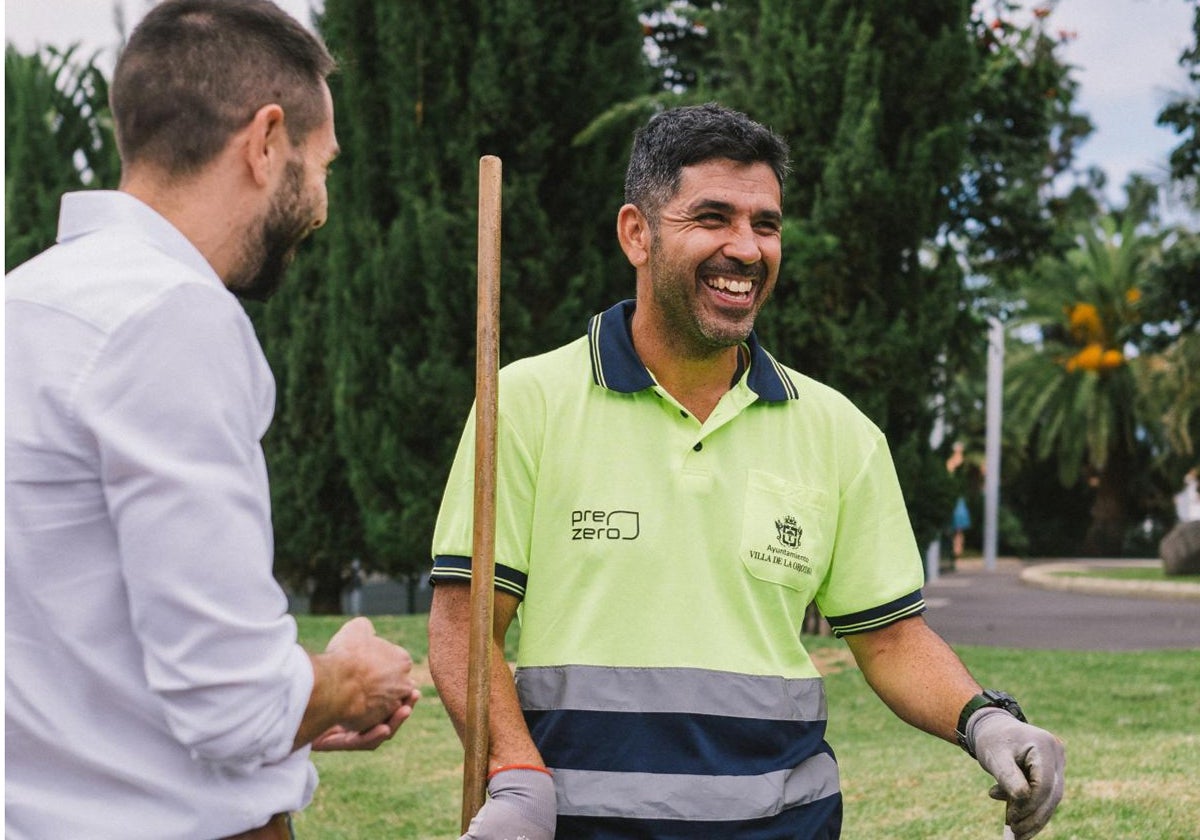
960 517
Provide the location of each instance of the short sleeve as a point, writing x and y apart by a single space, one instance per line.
876 574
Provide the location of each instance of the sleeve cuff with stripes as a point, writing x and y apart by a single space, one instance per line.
449 568
879 617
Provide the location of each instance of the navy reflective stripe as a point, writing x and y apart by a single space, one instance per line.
617 366
688 690
664 742
820 820
678 743
453 567
861 622
649 796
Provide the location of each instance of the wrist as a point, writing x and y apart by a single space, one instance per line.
503 767
338 689
320 713
990 700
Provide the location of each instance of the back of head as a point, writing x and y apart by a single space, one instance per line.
195 72
690 135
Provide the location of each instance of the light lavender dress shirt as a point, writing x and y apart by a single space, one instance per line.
153 681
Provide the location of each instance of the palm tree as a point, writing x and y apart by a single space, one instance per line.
1073 393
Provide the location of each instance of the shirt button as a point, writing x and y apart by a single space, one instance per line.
682 413
698 447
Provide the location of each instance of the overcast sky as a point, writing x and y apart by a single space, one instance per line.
1126 52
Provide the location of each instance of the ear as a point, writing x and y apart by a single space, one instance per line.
633 232
268 146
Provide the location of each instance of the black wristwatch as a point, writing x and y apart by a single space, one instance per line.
989 697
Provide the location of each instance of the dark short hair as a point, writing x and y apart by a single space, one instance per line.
195 72
689 135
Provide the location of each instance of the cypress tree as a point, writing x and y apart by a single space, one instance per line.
425 90
317 524
923 140
870 96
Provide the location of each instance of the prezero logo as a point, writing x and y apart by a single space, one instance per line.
605 525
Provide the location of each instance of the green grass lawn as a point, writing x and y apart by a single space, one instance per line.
1152 573
1131 722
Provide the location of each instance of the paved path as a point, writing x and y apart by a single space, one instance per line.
973 606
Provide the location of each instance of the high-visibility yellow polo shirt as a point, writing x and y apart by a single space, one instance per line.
665 566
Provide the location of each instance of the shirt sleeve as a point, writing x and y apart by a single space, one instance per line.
876 573
178 402
516 479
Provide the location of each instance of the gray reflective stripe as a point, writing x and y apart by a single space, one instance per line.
685 690
650 796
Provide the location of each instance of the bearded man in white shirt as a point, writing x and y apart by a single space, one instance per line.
154 684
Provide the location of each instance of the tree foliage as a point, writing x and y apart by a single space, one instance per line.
920 134
1182 114
1023 131
425 90
925 139
317 521
58 138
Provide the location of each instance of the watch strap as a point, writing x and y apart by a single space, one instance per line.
988 698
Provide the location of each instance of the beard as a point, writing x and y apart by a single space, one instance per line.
269 251
701 331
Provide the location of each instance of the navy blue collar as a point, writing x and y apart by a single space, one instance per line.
616 365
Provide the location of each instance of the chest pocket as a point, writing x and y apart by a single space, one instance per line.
787 532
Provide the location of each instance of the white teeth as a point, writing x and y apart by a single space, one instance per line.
725 284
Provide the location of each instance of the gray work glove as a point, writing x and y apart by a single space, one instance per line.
521 805
1027 764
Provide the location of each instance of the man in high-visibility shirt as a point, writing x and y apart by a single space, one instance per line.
670 500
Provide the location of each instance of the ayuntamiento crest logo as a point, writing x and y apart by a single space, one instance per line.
788 532
781 560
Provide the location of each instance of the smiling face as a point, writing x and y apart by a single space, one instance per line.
711 258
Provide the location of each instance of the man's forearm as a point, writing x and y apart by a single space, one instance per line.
916 674
508 734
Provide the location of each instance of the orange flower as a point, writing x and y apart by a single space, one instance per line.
1084 322
1133 295
1088 358
1111 359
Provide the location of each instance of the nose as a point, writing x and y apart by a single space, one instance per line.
743 244
322 215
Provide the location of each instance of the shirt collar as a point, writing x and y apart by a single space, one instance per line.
92 211
616 365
